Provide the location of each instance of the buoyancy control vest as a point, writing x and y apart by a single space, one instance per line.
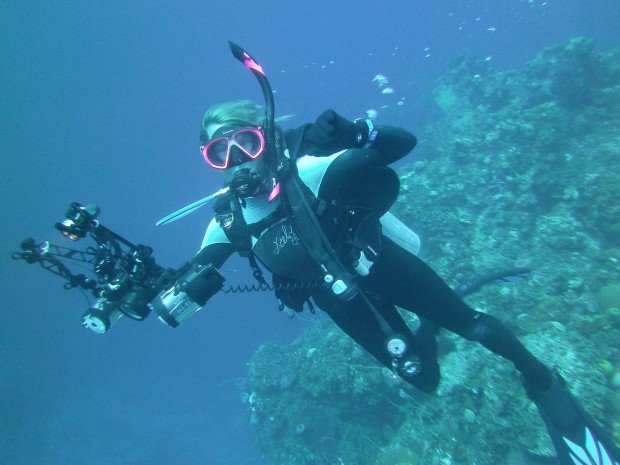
352 229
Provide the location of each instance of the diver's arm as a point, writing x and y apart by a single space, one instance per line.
214 254
332 133
215 248
391 143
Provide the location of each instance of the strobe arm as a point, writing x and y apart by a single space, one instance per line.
47 255
127 280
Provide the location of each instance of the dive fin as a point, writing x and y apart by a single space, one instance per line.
511 274
575 436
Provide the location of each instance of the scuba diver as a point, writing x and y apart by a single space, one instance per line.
311 205
343 166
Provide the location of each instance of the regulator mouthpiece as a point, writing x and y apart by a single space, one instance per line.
246 183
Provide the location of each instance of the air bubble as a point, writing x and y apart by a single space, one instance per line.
380 80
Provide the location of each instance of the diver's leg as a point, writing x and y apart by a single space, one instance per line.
416 287
358 322
426 335
576 438
409 242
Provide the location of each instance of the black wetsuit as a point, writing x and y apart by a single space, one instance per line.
398 277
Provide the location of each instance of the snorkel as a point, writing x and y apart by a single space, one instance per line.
271 156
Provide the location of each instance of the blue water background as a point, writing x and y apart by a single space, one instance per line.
100 102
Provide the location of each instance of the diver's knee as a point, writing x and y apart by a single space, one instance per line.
482 328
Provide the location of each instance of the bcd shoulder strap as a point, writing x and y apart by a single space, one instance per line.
230 218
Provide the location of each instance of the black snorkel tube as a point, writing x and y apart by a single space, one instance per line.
269 126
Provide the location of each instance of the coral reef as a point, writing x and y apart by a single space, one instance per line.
521 169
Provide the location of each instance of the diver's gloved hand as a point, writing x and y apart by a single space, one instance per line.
333 132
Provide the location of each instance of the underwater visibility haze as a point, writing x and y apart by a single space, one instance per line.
516 107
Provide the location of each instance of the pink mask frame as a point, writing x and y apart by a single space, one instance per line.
230 140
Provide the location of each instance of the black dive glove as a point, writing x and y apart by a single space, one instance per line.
333 132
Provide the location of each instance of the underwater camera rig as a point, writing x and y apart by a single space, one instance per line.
127 280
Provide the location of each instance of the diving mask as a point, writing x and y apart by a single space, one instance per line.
233 145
